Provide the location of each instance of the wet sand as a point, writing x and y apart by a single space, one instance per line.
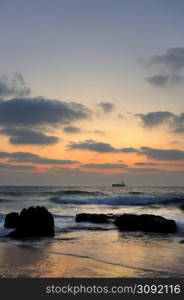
24 262
79 255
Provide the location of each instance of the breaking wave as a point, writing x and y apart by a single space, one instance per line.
125 199
77 192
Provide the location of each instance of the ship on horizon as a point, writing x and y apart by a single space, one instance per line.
121 184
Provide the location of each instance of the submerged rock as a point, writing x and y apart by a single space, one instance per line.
94 218
34 222
11 220
146 223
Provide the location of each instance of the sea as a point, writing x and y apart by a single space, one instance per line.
89 249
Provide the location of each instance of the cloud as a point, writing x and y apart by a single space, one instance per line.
153 119
100 147
100 132
34 158
146 170
71 129
162 154
174 142
120 116
168 65
107 107
106 166
92 145
13 87
28 137
146 164
96 131
179 123
38 111
172 59
25 119
150 153
16 167
179 129
173 121
169 164
128 150
163 80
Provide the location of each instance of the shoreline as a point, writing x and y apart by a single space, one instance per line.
55 265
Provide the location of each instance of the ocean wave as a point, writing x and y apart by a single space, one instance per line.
125 199
180 226
11 193
4 200
57 216
136 193
77 192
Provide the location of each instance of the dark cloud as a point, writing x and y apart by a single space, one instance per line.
25 119
107 107
162 80
146 164
28 137
179 129
13 87
146 170
150 153
34 158
128 150
179 123
100 147
172 59
16 167
92 145
169 65
162 154
106 166
169 164
72 129
159 80
38 111
152 119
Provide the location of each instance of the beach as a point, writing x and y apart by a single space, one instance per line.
89 249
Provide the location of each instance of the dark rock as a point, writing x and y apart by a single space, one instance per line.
128 222
11 220
182 207
146 223
155 223
94 218
34 222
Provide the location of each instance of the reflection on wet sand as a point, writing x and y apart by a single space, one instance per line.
119 255
26 262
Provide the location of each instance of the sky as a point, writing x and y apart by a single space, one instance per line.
91 92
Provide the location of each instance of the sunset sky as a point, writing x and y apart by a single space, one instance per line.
91 92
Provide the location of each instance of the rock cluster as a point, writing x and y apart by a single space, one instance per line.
146 223
93 218
31 222
132 222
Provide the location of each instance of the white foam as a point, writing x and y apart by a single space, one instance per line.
126 199
4 231
180 226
